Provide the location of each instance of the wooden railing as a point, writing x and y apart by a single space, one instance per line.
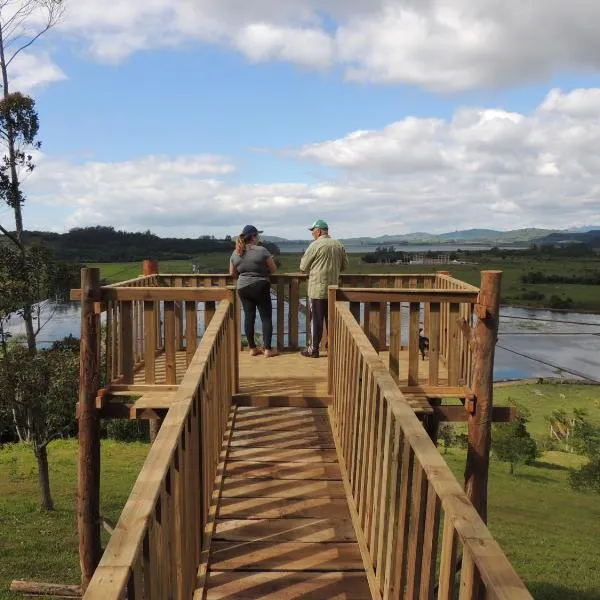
143 319
436 312
403 495
161 314
291 321
154 551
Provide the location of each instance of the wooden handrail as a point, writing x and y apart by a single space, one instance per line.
402 491
405 295
155 546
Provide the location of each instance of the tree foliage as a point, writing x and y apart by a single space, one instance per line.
586 441
512 443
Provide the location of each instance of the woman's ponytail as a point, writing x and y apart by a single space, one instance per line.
240 245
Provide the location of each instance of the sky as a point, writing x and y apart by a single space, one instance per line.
193 117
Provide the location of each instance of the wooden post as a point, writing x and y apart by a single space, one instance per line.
332 294
88 476
150 267
484 336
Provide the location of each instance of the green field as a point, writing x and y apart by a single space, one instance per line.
549 532
584 297
43 546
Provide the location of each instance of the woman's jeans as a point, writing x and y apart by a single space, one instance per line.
253 296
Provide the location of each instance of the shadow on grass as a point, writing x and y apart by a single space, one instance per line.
534 478
541 464
552 591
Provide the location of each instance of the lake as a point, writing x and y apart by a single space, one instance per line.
531 342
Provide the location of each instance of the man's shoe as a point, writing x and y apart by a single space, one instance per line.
308 353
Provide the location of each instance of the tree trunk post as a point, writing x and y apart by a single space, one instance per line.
88 481
485 335
41 456
150 267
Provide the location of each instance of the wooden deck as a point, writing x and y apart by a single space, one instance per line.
283 528
287 375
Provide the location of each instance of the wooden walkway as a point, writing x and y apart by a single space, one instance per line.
283 527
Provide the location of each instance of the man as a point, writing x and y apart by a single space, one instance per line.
323 260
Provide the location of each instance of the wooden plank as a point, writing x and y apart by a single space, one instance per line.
293 312
413 344
283 508
434 342
281 488
326 471
453 348
191 330
287 440
285 530
374 321
224 585
126 342
285 556
149 342
280 314
404 295
447 562
430 544
395 332
281 401
170 341
294 455
163 294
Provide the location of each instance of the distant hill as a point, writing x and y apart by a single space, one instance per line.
592 238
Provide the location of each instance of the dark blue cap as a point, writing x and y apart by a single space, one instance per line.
249 231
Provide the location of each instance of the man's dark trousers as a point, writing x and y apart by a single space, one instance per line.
318 311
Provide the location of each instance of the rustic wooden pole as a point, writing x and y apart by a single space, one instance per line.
150 267
483 339
88 479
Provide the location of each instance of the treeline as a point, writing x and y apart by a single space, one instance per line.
384 254
539 277
105 244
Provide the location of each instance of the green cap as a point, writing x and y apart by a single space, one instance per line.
319 224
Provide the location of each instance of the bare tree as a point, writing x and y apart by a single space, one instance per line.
22 23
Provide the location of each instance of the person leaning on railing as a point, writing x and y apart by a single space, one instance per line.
252 264
323 260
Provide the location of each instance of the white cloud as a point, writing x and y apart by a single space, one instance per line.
481 168
29 71
446 45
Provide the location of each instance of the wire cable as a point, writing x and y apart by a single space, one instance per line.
549 364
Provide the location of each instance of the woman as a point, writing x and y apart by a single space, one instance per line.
253 264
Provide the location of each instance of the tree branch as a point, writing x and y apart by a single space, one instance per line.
10 236
29 43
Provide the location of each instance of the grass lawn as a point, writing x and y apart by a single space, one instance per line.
585 297
43 546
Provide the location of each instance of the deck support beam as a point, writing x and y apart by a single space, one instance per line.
483 338
88 478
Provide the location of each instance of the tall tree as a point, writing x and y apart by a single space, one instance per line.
22 23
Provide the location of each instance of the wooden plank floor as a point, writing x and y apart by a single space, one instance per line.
283 526
287 374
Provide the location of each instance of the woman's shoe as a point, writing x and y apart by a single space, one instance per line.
255 352
270 353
